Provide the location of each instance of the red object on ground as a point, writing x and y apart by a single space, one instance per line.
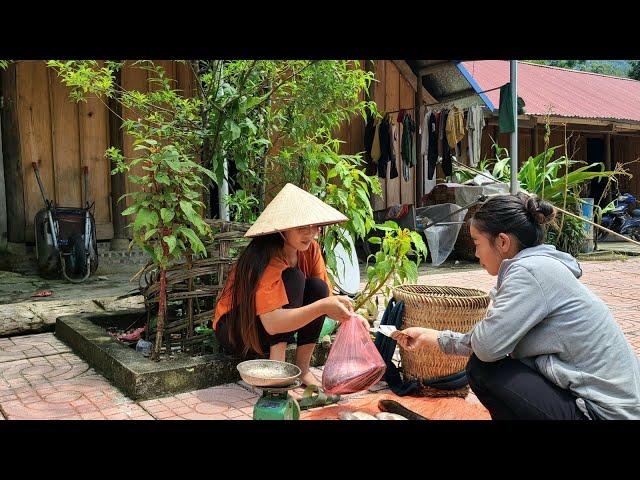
133 336
43 293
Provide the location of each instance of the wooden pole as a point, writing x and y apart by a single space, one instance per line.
3 200
118 181
419 182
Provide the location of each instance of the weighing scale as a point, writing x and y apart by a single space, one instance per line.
276 404
275 378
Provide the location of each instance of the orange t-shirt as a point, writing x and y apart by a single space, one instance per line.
271 293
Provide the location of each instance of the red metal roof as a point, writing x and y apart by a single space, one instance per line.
569 93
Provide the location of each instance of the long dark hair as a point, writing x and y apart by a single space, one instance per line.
251 264
521 215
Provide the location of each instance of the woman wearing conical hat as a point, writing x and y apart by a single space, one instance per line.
279 284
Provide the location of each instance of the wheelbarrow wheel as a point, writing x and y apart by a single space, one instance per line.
77 264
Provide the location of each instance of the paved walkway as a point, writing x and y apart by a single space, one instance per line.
40 378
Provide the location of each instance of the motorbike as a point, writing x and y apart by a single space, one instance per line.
624 218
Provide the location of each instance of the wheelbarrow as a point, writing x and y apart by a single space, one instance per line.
66 237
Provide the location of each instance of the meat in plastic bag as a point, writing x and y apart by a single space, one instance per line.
354 363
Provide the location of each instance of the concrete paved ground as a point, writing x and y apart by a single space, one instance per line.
40 378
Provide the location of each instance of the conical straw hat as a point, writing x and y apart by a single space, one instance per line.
292 208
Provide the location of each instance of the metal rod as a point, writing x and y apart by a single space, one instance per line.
514 135
481 198
42 192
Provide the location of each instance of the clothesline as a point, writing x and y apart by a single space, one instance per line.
475 93
400 110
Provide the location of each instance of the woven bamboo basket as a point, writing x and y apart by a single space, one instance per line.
440 308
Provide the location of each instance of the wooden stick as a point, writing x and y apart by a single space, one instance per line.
582 219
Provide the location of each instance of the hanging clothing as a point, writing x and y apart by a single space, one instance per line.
425 130
387 152
455 128
505 113
375 146
447 165
432 153
475 124
369 134
395 147
408 145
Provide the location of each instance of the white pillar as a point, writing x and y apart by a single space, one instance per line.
223 191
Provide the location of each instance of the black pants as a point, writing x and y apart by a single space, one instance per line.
510 390
300 292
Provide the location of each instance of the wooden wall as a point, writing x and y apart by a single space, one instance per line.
62 137
626 149
41 124
391 92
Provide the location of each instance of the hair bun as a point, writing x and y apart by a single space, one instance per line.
540 211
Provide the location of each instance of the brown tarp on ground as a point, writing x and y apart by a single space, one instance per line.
441 408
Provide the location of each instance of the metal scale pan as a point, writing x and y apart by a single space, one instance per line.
269 373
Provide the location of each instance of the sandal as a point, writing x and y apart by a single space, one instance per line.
309 400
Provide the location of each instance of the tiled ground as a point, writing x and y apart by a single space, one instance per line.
18 348
40 378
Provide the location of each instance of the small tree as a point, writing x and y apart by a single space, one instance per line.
168 224
635 70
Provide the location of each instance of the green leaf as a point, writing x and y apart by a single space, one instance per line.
193 216
171 158
196 244
167 215
150 233
417 240
171 242
130 210
145 218
163 178
375 240
235 130
410 269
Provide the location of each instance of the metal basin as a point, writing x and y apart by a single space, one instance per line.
268 373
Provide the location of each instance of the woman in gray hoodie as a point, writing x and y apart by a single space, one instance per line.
548 348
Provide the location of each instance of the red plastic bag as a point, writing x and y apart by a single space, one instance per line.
354 363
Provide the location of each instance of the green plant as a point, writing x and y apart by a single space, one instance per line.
499 168
391 263
570 238
168 222
239 204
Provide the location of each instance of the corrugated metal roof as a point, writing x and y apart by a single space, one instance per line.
567 93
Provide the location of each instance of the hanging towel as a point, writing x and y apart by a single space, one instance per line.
505 114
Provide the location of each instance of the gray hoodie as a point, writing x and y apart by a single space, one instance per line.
543 316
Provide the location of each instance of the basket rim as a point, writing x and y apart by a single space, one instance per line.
478 293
